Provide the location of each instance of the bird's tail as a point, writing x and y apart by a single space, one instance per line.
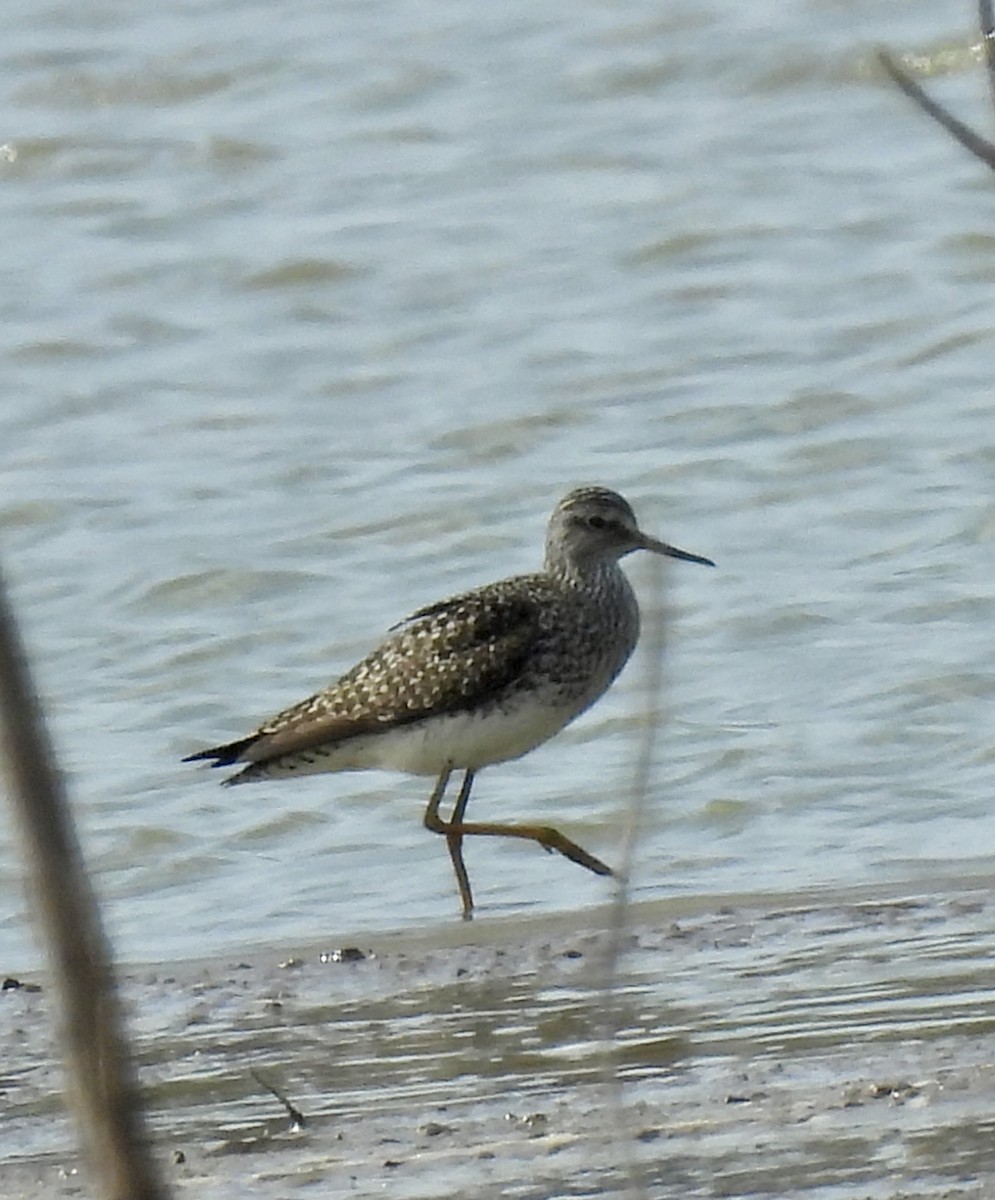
224 756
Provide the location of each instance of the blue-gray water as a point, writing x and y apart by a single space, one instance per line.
312 311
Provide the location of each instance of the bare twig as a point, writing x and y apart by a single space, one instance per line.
103 1088
987 22
653 642
980 147
297 1118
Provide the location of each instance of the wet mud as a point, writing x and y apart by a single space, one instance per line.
837 1046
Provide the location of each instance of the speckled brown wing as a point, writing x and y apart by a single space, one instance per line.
445 658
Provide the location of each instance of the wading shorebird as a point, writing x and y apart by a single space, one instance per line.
477 679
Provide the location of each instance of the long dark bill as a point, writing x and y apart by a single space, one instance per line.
649 543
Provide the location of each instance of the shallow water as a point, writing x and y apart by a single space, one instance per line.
311 317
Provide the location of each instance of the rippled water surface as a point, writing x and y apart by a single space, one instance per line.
312 312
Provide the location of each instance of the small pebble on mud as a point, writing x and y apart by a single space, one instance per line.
434 1128
346 954
10 984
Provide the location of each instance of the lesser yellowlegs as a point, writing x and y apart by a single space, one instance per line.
477 679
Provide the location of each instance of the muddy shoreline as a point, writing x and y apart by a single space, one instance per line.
838 1045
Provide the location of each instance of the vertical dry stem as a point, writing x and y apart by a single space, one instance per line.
103 1088
652 645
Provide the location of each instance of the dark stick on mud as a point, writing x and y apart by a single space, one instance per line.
297 1118
103 1089
980 147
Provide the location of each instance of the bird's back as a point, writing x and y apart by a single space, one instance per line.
499 650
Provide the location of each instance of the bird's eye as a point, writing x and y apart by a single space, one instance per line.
597 522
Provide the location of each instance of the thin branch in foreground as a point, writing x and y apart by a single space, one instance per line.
102 1083
612 1007
987 22
980 147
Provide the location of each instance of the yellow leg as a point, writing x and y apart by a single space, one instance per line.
454 840
456 829
550 839
455 843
